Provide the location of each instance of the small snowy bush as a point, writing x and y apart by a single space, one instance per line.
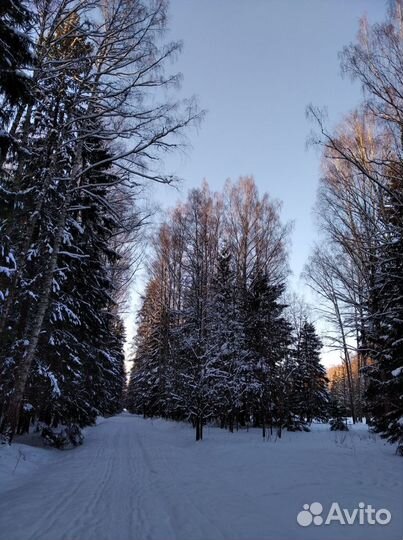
338 424
66 437
295 423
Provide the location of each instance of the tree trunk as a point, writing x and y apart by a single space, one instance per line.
34 327
231 423
198 435
346 362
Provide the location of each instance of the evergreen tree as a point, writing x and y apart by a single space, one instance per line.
228 342
40 200
310 376
90 135
78 367
385 373
199 375
147 392
269 339
337 413
212 338
15 53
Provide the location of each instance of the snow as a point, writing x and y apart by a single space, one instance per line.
19 462
136 479
397 372
6 271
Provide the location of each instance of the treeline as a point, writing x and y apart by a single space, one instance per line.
214 343
358 268
81 128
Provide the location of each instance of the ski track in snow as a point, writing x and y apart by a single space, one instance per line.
136 479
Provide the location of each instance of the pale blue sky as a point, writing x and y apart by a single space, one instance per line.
255 65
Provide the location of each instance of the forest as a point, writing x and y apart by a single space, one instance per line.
213 341
88 110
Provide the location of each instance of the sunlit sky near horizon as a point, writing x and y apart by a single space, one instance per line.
255 66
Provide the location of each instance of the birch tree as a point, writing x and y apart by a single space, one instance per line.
98 67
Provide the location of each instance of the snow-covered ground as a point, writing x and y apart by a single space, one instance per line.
136 479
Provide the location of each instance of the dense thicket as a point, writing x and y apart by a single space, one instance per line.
83 128
213 340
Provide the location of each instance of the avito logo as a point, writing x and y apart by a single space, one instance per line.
364 514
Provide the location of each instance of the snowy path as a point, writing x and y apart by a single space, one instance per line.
147 480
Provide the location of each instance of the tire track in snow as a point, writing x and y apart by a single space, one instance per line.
56 513
188 509
94 493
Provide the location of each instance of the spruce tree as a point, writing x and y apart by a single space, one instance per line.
15 53
228 342
385 372
78 368
338 414
310 376
269 339
147 393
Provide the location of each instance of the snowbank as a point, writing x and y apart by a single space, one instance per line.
19 461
